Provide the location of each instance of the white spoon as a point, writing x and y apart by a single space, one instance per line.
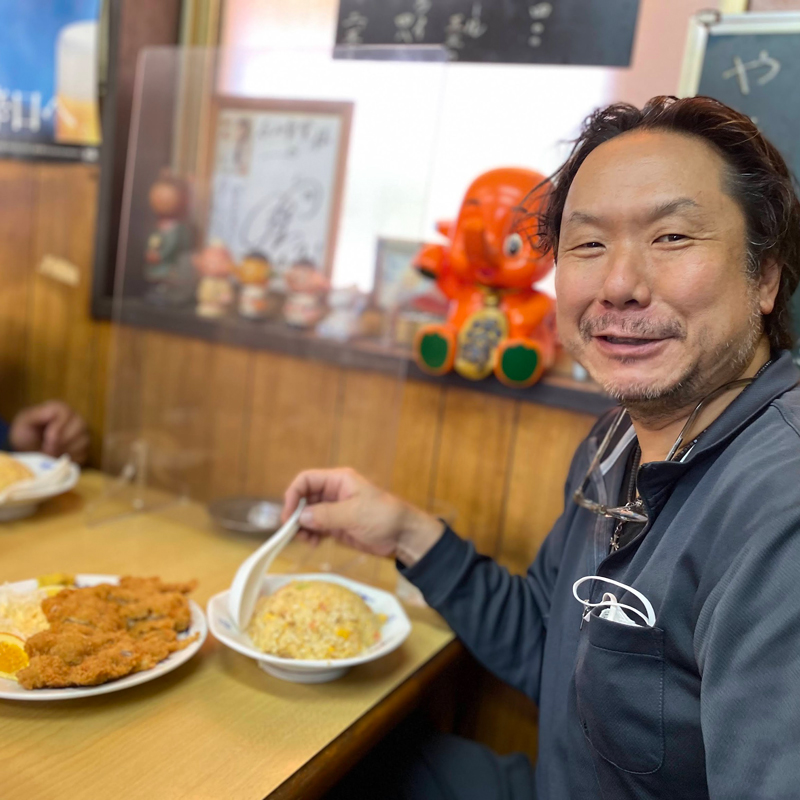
247 581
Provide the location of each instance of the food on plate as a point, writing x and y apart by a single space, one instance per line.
21 612
100 633
12 471
59 579
12 655
314 620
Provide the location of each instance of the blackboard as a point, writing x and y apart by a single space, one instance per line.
589 32
751 62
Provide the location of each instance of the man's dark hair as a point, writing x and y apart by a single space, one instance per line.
758 180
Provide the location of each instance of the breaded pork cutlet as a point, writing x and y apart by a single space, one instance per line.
101 633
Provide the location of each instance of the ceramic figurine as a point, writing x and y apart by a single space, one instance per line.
214 293
497 321
168 265
307 289
346 306
253 273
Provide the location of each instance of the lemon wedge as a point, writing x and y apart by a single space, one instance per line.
59 579
12 655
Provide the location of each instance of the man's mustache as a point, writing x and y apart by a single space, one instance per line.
622 325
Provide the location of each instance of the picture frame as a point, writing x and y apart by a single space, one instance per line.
286 207
404 296
708 24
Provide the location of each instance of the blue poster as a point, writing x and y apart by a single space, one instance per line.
49 78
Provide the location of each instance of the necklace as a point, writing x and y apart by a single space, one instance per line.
632 502
679 450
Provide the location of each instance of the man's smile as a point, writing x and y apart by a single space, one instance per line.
629 346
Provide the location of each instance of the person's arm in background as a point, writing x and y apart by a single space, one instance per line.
501 618
52 428
5 429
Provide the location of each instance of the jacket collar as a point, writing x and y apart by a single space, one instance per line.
657 479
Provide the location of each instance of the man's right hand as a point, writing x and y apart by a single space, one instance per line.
346 506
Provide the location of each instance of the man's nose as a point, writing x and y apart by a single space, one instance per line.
625 284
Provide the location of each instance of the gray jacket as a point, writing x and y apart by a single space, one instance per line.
705 704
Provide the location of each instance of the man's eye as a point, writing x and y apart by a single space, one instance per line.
671 237
589 245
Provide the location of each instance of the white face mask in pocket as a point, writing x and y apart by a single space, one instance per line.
613 610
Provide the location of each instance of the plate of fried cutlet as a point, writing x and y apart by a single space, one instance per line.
84 635
26 479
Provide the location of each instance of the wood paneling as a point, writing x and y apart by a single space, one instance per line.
18 193
49 346
229 414
418 439
501 717
368 423
473 460
292 421
175 420
544 443
61 351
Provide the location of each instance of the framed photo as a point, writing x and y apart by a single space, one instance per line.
276 178
405 297
400 287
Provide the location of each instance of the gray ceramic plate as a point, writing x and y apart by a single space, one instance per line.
255 516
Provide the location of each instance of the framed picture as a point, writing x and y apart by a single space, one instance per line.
406 298
276 178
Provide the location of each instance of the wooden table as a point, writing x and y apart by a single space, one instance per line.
216 727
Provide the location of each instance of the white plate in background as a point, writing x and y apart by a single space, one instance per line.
26 501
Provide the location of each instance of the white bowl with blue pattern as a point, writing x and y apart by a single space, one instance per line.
394 631
24 502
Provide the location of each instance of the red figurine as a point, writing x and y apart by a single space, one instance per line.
497 321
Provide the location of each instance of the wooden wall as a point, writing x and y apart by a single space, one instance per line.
49 346
222 420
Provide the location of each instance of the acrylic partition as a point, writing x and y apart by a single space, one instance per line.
262 192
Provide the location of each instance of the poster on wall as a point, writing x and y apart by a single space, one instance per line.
49 79
277 178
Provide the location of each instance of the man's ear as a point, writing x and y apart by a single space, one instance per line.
768 284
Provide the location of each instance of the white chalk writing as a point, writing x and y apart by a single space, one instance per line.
537 13
354 25
411 24
741 68
461 25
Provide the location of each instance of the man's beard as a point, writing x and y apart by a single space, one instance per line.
654 404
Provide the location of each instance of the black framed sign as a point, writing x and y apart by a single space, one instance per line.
751 62
589 32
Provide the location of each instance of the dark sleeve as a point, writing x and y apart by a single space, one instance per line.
501 618
748 647
5 430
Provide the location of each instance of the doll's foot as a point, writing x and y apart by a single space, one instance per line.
435 348
520 362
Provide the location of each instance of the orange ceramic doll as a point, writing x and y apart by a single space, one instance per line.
497 321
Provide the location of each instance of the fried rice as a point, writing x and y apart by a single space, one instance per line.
314 620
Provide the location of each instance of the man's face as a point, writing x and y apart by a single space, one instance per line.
653 297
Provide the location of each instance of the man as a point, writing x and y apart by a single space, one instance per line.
52 428
676 232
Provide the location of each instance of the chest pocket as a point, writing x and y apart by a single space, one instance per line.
619 680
